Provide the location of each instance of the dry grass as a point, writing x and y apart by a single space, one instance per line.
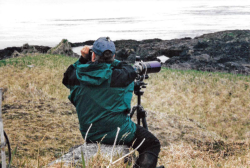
220 102
35 107
39 119
184 156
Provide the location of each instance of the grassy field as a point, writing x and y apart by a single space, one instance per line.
43 124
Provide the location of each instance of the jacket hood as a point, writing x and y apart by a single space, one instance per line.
93 73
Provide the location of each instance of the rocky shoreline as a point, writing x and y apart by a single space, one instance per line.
225 51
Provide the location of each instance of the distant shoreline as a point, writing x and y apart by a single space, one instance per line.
77 44
224 51
88 42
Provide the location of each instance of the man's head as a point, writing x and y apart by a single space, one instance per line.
103 50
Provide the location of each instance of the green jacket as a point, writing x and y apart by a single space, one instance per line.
101 101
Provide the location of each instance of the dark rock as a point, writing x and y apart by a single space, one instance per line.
201 45
78 44
186 38
124 53
226 51
234 67
63 48
209 52
42 49
151 40
132 44
26 48
16 54
202 57
7 52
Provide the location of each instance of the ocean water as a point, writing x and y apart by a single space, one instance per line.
47 22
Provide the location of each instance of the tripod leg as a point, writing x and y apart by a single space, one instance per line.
141 116
144 123
138 121
133 111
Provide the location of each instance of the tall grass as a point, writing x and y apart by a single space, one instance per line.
219 101
38 82
35 106
40 120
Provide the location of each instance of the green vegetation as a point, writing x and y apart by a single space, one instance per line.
65 40
40 120
51 61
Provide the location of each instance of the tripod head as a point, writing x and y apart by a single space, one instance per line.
143 69
139 84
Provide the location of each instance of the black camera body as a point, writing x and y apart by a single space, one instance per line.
89 56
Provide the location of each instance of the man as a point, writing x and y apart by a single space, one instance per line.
101 89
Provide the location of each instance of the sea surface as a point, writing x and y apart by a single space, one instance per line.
47 22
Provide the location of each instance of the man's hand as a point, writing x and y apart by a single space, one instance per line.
85 52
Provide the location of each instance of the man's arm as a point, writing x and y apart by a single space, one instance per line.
70 78
123 74
83 60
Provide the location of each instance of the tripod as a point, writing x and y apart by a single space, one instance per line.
141 113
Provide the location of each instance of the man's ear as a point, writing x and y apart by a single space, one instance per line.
114 56
93 57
